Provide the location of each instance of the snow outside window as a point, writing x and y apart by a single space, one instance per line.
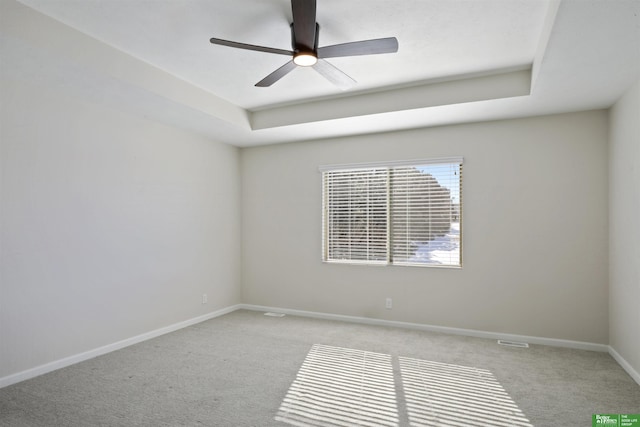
400 213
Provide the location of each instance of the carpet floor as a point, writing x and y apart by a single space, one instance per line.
247 369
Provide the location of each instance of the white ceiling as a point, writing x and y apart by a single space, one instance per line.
458 61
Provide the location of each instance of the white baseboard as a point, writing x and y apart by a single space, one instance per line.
625 365
67 361
580 345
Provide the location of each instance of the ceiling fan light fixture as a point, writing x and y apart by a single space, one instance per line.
305 50
305 59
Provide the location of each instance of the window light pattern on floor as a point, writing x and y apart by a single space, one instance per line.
440 394
341 387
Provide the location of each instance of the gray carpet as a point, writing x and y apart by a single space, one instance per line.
237 370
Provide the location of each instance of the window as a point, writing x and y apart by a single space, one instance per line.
401 213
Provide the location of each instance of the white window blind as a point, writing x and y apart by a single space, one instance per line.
356 215
404 214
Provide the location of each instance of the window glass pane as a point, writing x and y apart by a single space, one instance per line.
425 212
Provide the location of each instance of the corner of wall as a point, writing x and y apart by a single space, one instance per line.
624 231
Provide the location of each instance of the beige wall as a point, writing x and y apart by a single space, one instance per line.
624 240
111 226
535 231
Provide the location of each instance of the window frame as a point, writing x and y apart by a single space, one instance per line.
389 259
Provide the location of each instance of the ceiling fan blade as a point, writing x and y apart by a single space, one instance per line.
334 75
277 74
304 24
365 47
250 47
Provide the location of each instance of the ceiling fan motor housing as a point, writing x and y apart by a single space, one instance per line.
305 56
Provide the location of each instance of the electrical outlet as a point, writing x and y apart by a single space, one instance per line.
388 304
204 298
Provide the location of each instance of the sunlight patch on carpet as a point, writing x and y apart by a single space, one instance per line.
341 387
441 394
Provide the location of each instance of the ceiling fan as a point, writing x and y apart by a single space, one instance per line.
306 53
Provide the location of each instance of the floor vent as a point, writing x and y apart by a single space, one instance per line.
270 314
514 344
